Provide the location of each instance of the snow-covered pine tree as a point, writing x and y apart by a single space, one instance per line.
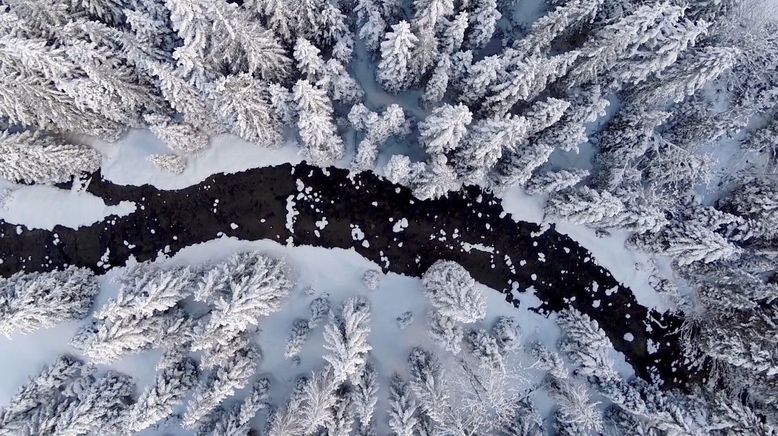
365 397
445 332
40 392
371 22
688 75
244 288
34 158
397 49
583 205
483 21
505 331
523 156
317 130
236 421
159 400
553 181
401 415
661 53
438 83
98 407
297 337
169 162
451 291
454 33
319 309
147 288
346 339
181 137
106 340
526 421
576 413
242 104
525 80
566 18
618 40
444 128
341 419
377 129
221 383
37 300
484 347
435 179
401 170
474 80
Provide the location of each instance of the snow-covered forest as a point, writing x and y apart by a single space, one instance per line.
645 130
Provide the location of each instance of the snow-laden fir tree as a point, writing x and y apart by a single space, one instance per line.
39 394
445 331
454 34
106 340
319 309
242 104
435 179
37 300
342 417
526 421
346 339
35 158
147 288
401 416
483 21
221 383
687 243
377 129
244 288
525 81
181 137
401 170
365 397
451 291
167 391
297 337
438 83
317 130
474 80
506 333
236 421
618 40
583 205
564 19
396 58
171 163
576 413
554 181
689 75
444 128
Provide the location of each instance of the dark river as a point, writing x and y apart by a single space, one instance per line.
380 220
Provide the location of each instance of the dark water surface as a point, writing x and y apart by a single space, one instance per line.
365 213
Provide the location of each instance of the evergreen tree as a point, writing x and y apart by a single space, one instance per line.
34 158
159 400
377 129
297 338
219 384
444 128
451 291
396 51
584 205
402 408
346 339
242 104
236 421
483 20
445 332
553 181
317 131
38 300
181 137
171 163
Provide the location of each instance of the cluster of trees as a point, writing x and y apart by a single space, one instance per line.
482 380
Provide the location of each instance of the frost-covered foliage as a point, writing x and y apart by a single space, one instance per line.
451 291
171 163
33 301
35 158
68 398
346 339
